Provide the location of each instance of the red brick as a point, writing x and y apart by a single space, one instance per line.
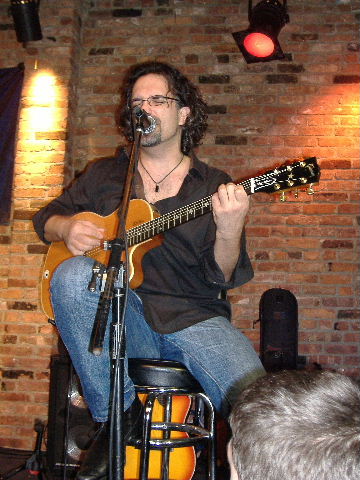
343 349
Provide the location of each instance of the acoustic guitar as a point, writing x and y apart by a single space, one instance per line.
144 225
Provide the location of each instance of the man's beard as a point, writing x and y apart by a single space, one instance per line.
151 140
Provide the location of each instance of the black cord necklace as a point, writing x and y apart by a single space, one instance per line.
157 184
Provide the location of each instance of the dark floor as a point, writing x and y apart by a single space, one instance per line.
22 465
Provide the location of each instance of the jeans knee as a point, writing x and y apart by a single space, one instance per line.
71 273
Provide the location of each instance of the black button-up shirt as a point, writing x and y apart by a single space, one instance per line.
182 281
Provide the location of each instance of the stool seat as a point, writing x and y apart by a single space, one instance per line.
149 372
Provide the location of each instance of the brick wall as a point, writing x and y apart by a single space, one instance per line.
260 115
27 340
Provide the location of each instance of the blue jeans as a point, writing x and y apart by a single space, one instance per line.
219 356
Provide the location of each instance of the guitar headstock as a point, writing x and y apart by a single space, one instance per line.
293 176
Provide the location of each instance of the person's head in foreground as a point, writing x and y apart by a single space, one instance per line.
295 425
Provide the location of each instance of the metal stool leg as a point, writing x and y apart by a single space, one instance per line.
166 453
212 441
210 417
145 448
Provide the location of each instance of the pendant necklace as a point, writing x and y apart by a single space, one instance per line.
157 184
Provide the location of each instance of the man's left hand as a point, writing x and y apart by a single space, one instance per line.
230 206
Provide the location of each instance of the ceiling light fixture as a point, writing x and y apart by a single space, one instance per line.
259 42
25 14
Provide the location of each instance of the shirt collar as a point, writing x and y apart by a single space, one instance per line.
197 168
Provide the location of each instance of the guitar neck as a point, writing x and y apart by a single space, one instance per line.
285 177
175 218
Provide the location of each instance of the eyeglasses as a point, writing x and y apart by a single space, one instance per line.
153 101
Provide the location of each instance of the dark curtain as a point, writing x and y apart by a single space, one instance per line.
11 81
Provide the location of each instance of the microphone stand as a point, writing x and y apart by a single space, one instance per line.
115 293
33 464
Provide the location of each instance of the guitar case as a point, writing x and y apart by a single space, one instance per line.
278 330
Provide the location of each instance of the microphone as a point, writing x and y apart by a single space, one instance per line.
145 123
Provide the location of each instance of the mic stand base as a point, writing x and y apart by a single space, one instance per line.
33 464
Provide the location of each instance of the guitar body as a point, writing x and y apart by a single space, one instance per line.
182 461
139 212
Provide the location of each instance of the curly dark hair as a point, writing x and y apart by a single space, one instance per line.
180 86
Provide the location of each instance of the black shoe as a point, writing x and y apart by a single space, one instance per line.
96 462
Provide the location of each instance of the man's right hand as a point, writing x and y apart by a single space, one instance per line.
78 235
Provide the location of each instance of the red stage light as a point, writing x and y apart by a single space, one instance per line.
259 42
259 45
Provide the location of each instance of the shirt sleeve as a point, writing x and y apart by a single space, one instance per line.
243 271
74 199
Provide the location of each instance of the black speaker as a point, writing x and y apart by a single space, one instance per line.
70 425
278 330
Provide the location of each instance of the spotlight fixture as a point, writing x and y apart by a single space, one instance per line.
25 14
259 43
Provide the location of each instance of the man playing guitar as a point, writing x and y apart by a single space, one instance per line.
177 312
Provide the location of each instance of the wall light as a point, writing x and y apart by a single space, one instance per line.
25 14
259 43
42 112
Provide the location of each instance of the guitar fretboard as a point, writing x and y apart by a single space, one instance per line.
173 219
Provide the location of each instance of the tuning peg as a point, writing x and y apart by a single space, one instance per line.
296 192
310 190
282 197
